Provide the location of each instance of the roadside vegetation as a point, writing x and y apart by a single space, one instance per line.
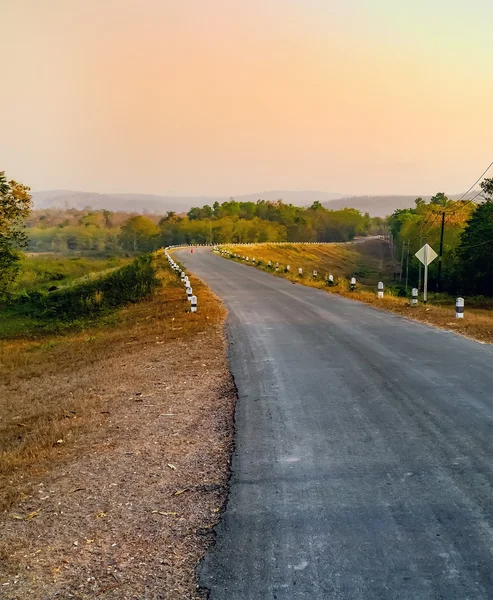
33 311
467 266
46 270
369 262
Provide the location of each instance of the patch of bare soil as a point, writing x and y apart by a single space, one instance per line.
123 505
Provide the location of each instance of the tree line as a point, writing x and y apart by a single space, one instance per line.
230 222
467 240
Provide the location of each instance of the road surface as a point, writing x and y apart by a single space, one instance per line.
363 467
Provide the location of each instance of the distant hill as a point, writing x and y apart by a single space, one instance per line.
298 198
160 204
115 202
377 206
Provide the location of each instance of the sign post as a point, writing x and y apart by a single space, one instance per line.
426 255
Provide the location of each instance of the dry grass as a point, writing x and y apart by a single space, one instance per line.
372 260
90 424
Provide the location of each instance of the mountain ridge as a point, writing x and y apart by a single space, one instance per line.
376 205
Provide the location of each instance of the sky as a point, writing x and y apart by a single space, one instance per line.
226 97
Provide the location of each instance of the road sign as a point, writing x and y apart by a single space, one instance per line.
426 254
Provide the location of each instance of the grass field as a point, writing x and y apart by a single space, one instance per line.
51 291
369 262
90 423
47 270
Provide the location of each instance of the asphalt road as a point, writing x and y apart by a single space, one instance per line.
363 467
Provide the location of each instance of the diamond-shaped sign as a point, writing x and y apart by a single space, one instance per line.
426 254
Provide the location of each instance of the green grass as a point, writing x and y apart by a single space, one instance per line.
87 291
43 272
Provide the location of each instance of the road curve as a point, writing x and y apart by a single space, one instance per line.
363 467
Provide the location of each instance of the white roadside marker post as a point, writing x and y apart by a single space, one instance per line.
288 268
331 279
193 300
459 308
353 284
414 297
182 275
300 272
269 264
253 260
189 293
277 266
380 290
315 274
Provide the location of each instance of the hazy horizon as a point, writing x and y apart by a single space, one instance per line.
365 97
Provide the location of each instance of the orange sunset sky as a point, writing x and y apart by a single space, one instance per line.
224 97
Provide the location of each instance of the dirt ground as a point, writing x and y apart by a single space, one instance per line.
115 454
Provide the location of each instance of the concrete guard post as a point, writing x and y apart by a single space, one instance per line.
459 308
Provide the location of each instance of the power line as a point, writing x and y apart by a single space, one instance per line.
423 233
480 193
477 181
449 211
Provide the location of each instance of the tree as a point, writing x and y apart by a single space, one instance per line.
475 252
439 199
107 217
15 204
487 186
139 234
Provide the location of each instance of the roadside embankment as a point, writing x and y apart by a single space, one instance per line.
369 263
115 442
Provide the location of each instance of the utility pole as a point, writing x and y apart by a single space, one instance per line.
419 266
425 289
402 261
407 262
440 252
392 251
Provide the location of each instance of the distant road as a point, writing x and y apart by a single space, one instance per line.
363 467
